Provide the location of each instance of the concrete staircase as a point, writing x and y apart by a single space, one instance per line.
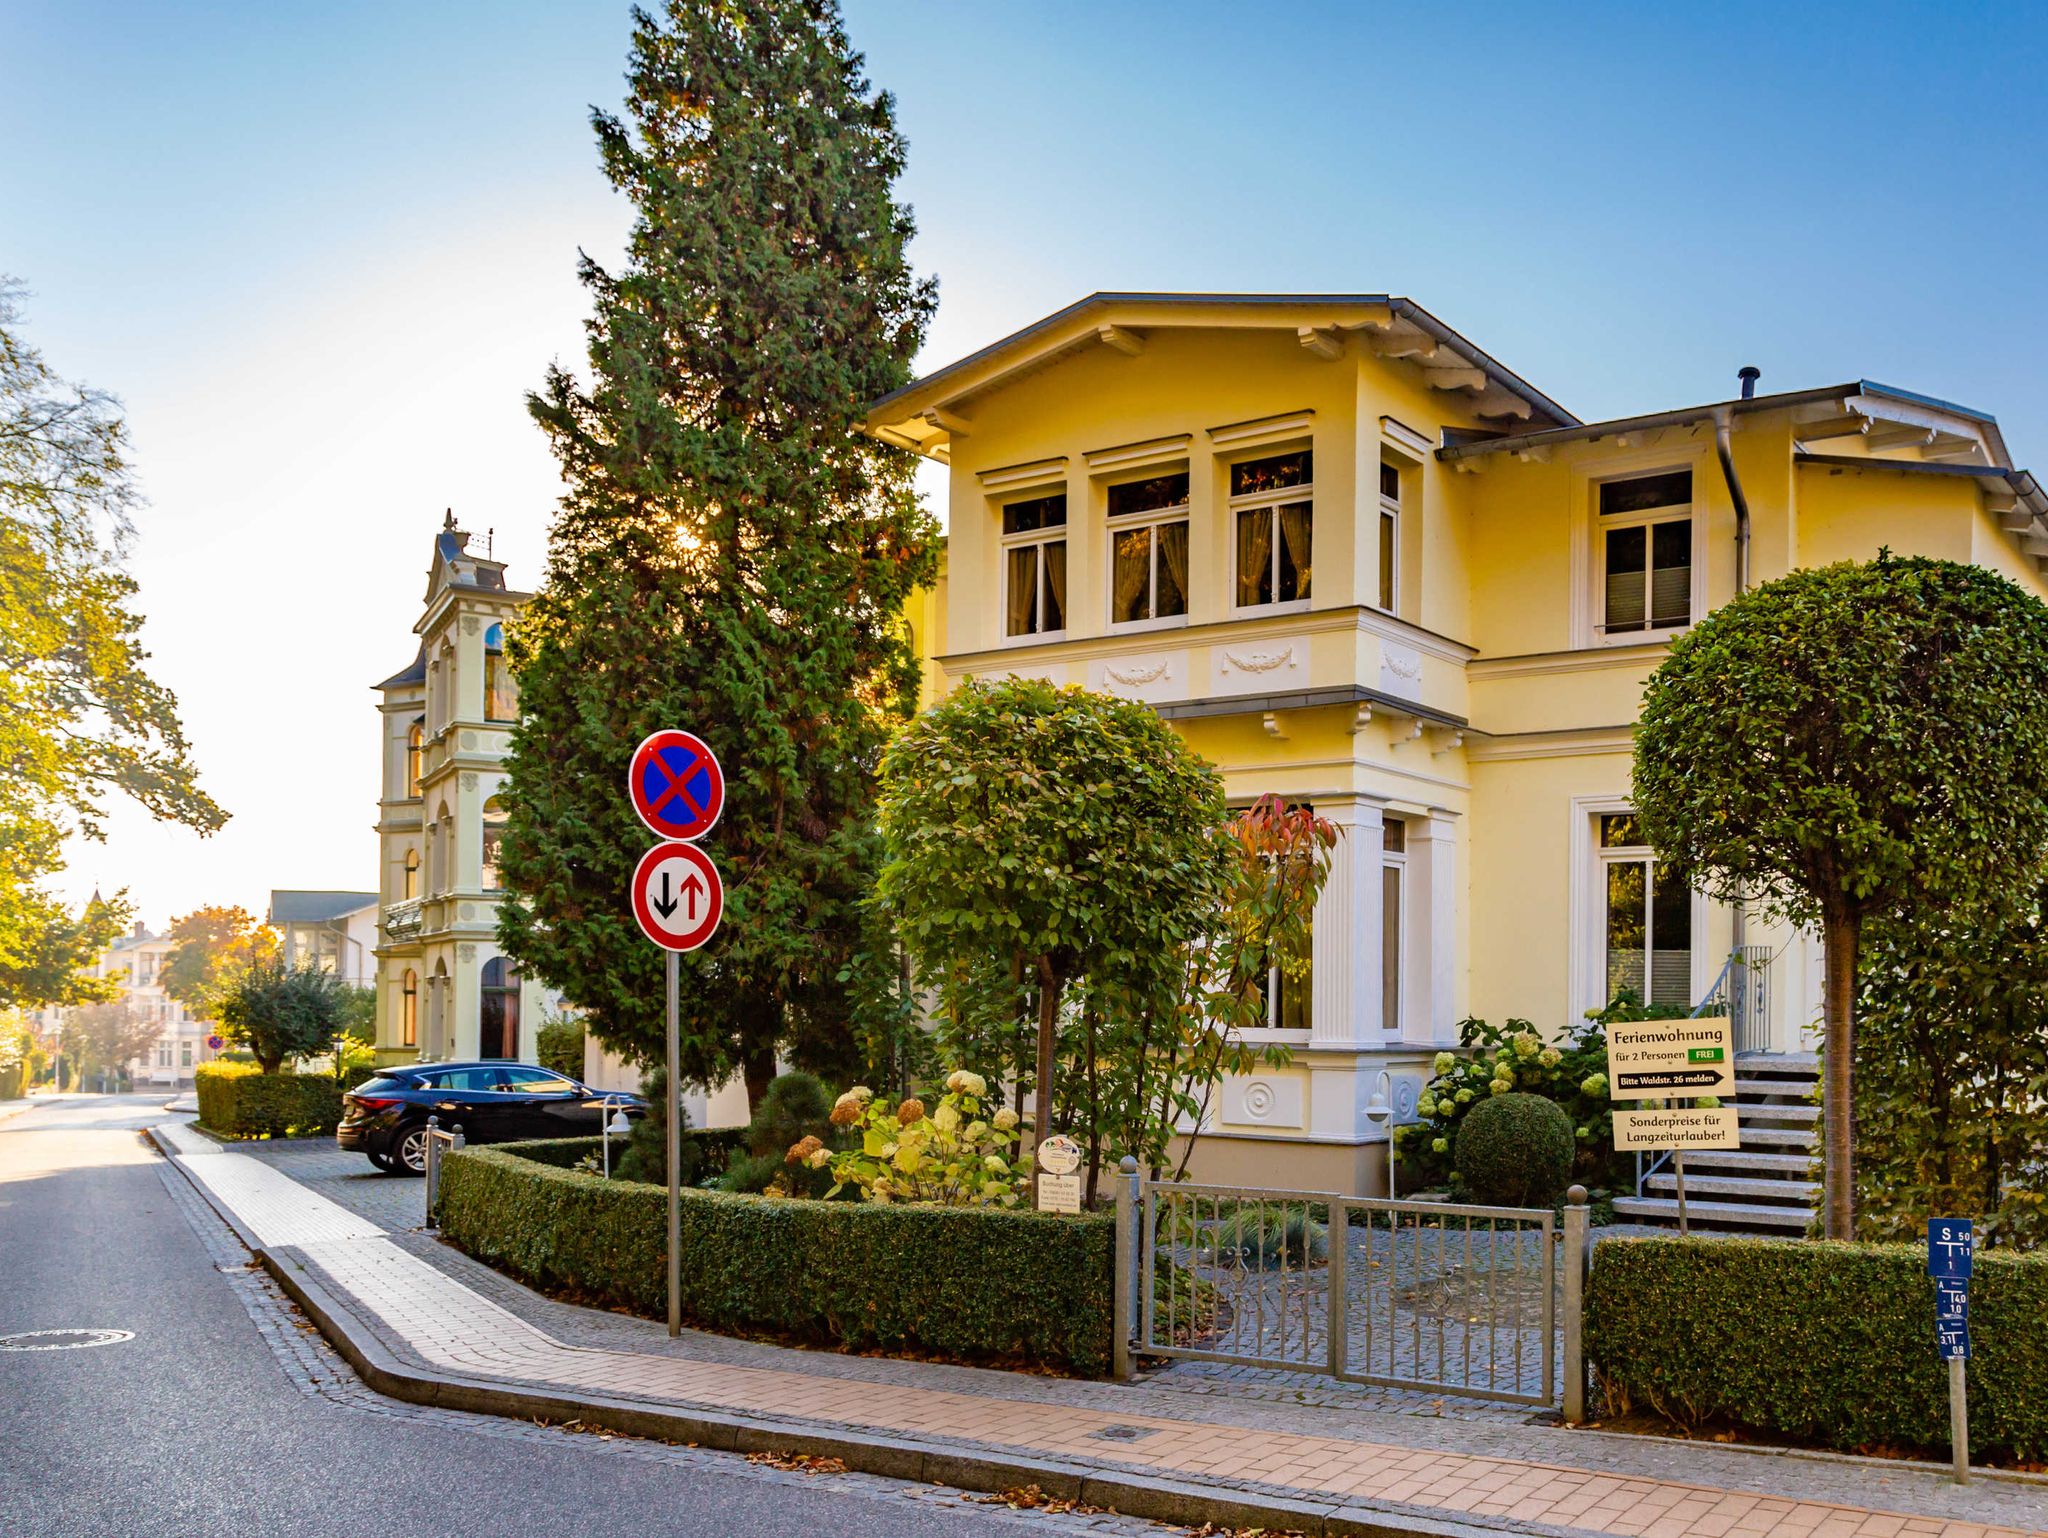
1766 1186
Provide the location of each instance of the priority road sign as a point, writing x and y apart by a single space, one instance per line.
677 896
676 785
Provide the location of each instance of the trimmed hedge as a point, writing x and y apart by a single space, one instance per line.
10 1080
240 1100
1515 1150
1831 1343
958 1282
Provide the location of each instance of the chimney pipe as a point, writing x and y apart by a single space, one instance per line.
1749 373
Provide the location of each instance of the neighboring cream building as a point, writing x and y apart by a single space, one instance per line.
334 931
137 961
1361 564
444 989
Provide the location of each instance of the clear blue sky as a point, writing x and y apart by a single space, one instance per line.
321 251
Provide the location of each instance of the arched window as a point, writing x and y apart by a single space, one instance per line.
409 883
501 695
498 1019
494 834
409 1010
415 741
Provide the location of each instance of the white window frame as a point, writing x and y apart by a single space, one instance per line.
1589 596
1273 500
1586 978
1396 861
1128 523
1010 542
1390 568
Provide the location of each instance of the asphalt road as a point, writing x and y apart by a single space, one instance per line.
224 1416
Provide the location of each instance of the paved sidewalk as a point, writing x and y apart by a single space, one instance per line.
431 1324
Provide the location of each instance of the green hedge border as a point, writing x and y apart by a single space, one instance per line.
1829 1343
239 1100
968 1284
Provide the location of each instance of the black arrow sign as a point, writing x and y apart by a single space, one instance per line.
665 904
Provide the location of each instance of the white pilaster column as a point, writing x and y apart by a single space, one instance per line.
1433 939
1346 945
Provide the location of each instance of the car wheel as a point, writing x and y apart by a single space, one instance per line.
382 1161
409 1151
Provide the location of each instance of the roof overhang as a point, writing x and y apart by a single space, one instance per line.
2013 497
929 413
1886 419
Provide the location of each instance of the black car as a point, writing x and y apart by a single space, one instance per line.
386 1117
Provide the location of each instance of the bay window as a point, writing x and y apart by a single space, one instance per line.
1035 566
1272 509
1148 549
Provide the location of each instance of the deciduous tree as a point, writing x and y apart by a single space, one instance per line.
106 1037
210 947
281 1012
732 554
1847 742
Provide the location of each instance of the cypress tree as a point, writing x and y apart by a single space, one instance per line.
732 555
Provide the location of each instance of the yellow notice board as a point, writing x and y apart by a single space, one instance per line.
1670 1059
1640 1131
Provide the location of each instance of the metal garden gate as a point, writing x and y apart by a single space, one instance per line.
1441 1297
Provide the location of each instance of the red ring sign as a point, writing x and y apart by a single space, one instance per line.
676 784
677 896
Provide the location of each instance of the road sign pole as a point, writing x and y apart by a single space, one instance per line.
675 1157
1959 1417
1678 1170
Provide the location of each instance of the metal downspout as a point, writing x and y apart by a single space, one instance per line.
1724 422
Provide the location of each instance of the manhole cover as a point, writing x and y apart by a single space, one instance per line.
1122 1433
63 1340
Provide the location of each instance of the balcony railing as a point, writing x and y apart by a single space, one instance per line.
402 920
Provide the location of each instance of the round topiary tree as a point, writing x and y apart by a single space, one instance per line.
1515 1150
1849 742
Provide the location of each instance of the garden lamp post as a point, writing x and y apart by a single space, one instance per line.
616 1123
1380 1112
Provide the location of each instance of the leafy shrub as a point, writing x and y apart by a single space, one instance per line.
1573 1073
643 1153
1260 1239
960 1155
796 1106
280 1012
1828 1342
240 1100
968 1283
1515 1150
10 1081
559 1045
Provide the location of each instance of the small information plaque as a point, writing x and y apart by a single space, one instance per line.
1059 1193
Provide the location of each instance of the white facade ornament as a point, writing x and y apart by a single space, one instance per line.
1137 677
1260 662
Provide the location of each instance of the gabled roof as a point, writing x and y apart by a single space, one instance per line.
1861 408
294 907
924 414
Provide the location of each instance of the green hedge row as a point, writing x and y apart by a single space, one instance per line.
10 1080
1832 1343
240 1100
963 1283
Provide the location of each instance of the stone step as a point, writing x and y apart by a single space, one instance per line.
1781 1089
1762 1186
1779 1137
1795 1164
1749 1110
1652 1209
1807 1063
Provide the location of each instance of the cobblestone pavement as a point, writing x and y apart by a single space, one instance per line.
434 1307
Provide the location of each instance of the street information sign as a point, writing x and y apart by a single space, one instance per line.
1950 1249
1636 1131
677 896
676 784
1667 1059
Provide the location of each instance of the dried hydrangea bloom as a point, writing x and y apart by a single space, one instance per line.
800 1151
911 1110
1006 1119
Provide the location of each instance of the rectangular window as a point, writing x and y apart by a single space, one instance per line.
1035 566
1393 881
1148 549
1390 535
1646 553
1646 923
184 1054
1272 504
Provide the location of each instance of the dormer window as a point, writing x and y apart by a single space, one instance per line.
1148 549
1272 509
1035 566
1645 553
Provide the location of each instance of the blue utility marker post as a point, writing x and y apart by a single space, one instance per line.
1949 1251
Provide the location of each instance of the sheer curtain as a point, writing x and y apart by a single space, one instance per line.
1133 569
1173 569
1254 558
1023 591
1296 533
1055 616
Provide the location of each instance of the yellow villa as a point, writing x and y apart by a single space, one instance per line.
1362 564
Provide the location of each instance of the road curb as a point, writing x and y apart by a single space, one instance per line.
963 1468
